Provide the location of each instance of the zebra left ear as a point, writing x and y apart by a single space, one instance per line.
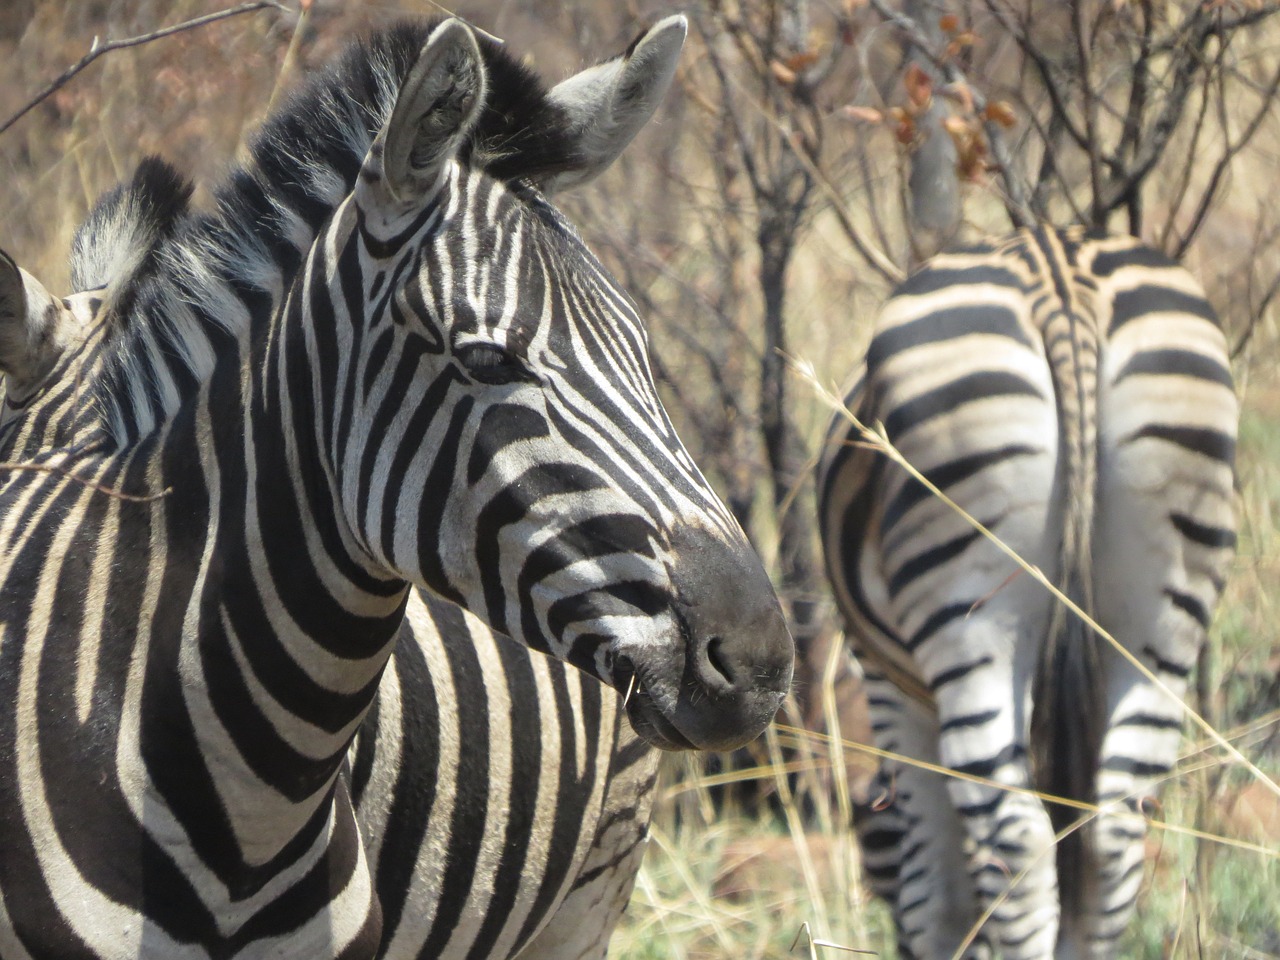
608 104
438 104
31 327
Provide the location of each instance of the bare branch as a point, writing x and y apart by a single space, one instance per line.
1255 318
1210 193
741 138
1044 68
98 49
1085 75
1015 194
91 484
1179 194
1187 46
1139 88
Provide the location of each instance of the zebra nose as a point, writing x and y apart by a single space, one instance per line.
739 649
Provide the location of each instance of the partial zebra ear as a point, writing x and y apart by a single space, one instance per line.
439 102
30 327
608 104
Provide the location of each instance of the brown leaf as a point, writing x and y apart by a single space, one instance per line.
919 87
801 61
949 23
1001 112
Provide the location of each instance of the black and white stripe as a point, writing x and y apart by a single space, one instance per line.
501 796
383 359
1072 393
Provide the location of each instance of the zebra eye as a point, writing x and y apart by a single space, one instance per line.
490 363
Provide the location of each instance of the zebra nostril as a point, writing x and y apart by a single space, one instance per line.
715 650
716 669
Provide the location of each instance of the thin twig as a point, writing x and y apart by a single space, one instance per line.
98 49
791 735
1229 153
92 484
1090 110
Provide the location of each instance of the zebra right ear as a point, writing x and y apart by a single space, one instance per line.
438 104
30 323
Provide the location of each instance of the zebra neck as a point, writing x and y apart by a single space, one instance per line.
284 634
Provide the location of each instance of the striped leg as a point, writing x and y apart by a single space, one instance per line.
983 710
1151 602
911 837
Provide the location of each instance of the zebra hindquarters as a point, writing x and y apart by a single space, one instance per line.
1164 538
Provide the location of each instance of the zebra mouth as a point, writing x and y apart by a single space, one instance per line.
647 718
694 718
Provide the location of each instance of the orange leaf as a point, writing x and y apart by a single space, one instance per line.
801 61
949 23
1001 112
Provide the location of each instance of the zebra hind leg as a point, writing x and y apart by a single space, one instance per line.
983 710
1141 745
911 838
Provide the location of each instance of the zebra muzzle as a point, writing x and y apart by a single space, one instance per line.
718 686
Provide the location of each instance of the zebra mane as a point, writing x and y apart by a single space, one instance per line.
118 242
182 280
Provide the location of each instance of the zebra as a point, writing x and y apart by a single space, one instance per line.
383 360
1071 392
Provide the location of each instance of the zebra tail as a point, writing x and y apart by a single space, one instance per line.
1067 739
1068 715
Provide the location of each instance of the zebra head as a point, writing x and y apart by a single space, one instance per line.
497 436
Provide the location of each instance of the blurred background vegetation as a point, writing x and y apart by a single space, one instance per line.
810 153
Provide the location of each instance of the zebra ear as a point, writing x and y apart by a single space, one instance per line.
608 104
29 327
438 104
